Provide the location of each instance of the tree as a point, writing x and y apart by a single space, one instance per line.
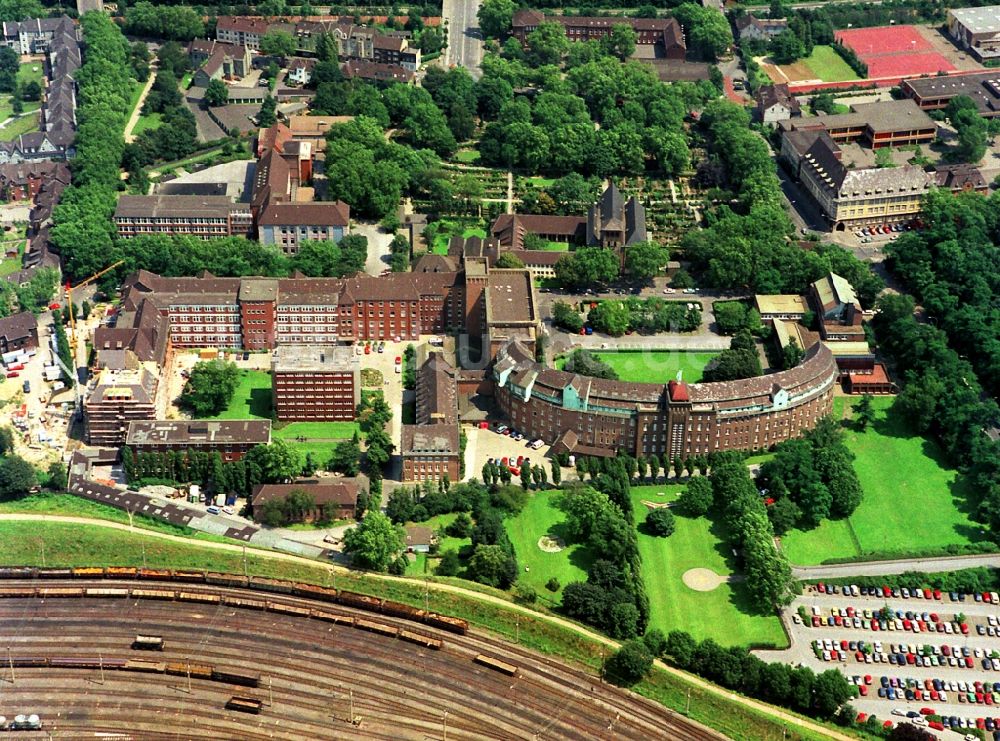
17 477
495 17
216 94
19 10
57 476
864 412
267 115
629 664
696 499
791 354
620 41
611 317
508 260
31 91
490 565
586 363
210 387
566 316
786 47
547 43
556 473
374 543
278 43
644 260
660 522
586 267
449 565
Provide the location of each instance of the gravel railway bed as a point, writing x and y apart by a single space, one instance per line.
309 668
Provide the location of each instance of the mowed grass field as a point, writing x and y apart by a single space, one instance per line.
252 399
721 614
541 517
913 500
655 366
823 64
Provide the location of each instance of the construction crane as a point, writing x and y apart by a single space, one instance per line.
72 316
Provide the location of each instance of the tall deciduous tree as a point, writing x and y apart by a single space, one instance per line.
374 543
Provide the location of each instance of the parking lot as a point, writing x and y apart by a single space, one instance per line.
909 652
485 444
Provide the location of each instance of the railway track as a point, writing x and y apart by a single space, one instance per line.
313 673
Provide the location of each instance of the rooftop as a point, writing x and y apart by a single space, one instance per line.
160 206
509 297
328 491
314 358
780 304
332 213
880 117
979 20
199 432
430 440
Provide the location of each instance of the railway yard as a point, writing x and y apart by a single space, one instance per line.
311 669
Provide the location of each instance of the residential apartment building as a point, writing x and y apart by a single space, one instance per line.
934 93
217 60
663 32
892 123
749 26
22 182
242 30
32 36
315 382
200 216
19 332
120 396
431 452
230 438
977 30
364 69
776 103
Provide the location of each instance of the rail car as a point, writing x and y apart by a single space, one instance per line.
280 586
150 667
421 640
184 668
245 680
390 631
331 617
205 597
91 662
59 592
106 592
248 604
164 594
496 664
148 643
283 609
245 705
27 661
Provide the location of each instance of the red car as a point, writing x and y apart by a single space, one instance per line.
515 471
868 679
12 375
863 690
965 628
936 725
937 594
927 711
968 662
927 594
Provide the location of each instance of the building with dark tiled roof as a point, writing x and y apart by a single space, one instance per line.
19 332
337 497
663 32
775 103
961 178
615 223
363 69
217 60
667 417
749 26
242 30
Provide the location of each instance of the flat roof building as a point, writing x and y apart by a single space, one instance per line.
315 382
977 30
780 306
890 123
430 452
120 396
199 216
231 438
932 93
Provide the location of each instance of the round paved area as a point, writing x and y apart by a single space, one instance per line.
551 543
702 580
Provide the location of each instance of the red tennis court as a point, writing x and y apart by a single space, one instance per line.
869 42
927 63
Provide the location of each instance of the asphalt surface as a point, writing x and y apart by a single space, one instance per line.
975 613
465 41
877 568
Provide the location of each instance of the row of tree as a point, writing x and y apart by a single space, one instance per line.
768 574
274 463
374 415
83 230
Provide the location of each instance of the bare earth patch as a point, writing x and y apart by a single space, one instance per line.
551 543
702 580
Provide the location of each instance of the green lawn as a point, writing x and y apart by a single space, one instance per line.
28 72
440 246
828 65
540 182
317 430
721 614
556 247
655 365
538 518
149 122
913 500
467 156
252 399
23 125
